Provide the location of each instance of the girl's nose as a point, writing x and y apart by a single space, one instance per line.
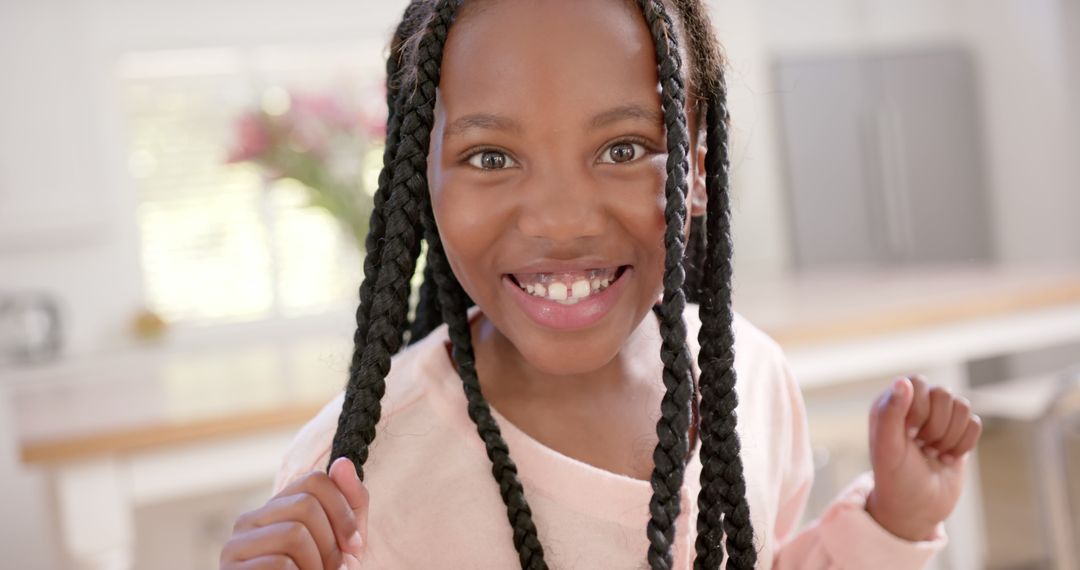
561 207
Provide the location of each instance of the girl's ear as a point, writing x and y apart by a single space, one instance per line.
698 195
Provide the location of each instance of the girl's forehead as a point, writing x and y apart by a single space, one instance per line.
548 53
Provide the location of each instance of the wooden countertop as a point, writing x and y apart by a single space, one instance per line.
157 397
829 307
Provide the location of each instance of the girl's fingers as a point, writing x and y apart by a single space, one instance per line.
967 442
334 504
887 431
343 475
961 416
940 413
920 404
300 507
291 539
268 562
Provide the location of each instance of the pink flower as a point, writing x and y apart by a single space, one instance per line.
321 108
373 126
307 134
251 138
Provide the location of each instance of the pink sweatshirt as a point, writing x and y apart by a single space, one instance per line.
435 504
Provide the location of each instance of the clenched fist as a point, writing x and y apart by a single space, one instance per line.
920 436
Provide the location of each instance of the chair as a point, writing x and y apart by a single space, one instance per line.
1051 406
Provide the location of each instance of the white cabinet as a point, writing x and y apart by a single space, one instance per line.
883 155
50 167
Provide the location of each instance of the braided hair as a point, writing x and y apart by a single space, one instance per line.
697 270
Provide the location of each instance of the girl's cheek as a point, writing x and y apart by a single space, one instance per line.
472 220
474 210
641 199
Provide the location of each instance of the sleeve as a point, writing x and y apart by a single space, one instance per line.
845 536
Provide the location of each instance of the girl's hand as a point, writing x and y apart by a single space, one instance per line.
919 439
316 523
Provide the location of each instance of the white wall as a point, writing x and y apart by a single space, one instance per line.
759 225
1030 115
62 214
1029 94
1070 30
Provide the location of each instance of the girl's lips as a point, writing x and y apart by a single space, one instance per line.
554 315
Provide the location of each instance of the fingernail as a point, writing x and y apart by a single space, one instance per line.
912 431
947 459
919 442
356 543
931 452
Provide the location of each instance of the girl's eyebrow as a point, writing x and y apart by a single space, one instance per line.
491 122
632 111
483 121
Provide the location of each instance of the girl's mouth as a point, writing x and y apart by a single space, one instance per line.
568 300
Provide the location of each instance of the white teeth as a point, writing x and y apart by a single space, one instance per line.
580 289
567 294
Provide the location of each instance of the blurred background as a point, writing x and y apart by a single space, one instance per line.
184 189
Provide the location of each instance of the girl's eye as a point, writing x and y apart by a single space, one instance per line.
491 160
619 153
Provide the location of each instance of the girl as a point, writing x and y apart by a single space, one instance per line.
566 163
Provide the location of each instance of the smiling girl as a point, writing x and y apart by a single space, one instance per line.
566 163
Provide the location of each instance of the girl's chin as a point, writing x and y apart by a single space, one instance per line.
562 354
557 361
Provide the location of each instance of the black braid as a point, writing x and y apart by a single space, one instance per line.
376 226
405 158
670 454
723 487
694 260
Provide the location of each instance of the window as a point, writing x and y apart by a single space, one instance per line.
218 242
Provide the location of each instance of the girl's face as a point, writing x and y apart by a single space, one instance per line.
547 171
